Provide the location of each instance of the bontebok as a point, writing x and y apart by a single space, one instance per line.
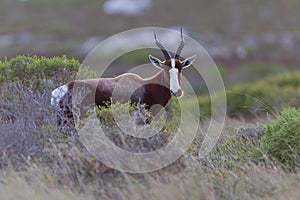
155 90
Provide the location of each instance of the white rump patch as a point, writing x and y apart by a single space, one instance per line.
58 94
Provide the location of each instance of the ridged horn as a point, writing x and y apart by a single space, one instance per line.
180 47
161 47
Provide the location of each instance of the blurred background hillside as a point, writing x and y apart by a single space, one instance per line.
258 37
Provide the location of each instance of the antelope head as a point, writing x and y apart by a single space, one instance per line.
173 66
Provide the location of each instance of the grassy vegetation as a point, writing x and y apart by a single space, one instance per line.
34 72
266 96
251 160
282 138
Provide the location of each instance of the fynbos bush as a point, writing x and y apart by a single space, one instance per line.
34 72
266 96
282 139
126 125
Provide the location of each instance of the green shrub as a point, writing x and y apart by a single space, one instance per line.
282 138
122 122
117 111
122 112
3 74
34 71
276 144
285 80
266 96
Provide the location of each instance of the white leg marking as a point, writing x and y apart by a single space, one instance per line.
58 94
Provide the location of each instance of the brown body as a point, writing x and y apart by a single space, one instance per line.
126 87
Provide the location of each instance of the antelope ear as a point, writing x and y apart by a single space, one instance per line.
187 62
156 62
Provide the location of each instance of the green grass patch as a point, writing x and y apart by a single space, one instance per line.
266 96
282 139
274 144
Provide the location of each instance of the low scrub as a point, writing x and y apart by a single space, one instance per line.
236 149
266 96
44 157
275 144
282 139
36 72
132 127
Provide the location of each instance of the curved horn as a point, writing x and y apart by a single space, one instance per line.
180 47
161 47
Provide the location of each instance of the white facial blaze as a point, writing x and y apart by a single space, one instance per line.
173 63
174 82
